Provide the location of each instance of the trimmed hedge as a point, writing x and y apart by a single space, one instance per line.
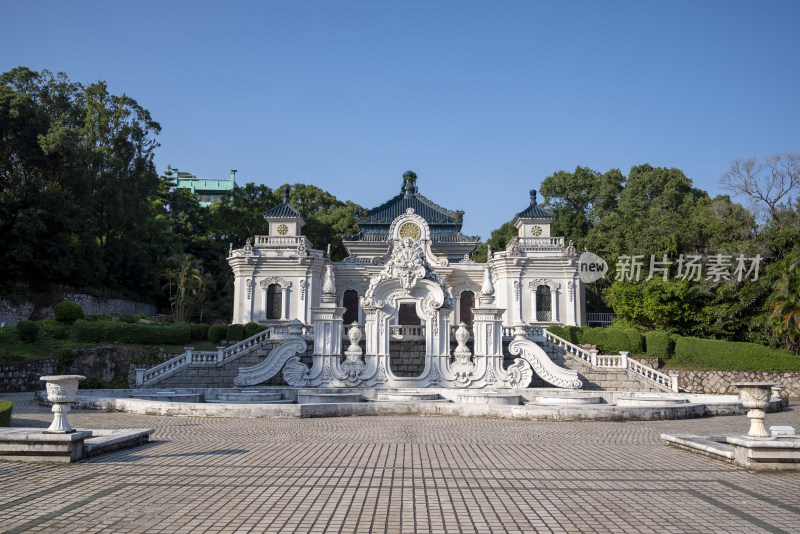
27 330
129 318
216 332
251 329
635 340
66 311
144 334
235 332
5 412
659 345
733 355
199 331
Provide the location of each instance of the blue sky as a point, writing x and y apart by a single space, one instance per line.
482 100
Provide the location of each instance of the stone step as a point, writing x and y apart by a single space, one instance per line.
247 396
505 399
407 396
327 398
276 401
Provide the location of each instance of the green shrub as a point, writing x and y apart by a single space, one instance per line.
67 312
607 340
235 332
574 333
199 331
659 345
594 336
5 412
635 340
616 341
65 358
129 318
216 332
732 355
144 334
58 332
559 331
251 329
94 382
27 330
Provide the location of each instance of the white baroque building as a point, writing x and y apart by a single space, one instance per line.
279 277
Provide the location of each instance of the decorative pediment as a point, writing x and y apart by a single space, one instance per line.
553 285
265 283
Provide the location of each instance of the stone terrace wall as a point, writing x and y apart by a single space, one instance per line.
212 376
719 382
11 313
24 376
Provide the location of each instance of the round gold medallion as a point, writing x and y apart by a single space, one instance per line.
410 230
536 230
282 229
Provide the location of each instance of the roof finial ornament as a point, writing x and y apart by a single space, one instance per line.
409 183
533 197
286 194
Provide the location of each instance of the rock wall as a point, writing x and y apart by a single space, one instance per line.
108 362
24 376
11 313
719 382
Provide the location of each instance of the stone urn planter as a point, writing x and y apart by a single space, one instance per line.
61 390
756 396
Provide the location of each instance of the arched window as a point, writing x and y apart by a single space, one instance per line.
274 301
544 311
350 303
467 303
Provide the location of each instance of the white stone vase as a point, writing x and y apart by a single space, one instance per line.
755 396
61 390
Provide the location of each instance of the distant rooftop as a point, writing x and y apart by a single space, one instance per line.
207 189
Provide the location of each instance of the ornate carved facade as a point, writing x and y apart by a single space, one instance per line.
410 254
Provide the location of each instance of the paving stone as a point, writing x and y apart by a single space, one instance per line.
394 474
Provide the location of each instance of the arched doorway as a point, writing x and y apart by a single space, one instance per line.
544 310
350 304
274 301
467 304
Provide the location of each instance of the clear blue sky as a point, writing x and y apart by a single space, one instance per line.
482 100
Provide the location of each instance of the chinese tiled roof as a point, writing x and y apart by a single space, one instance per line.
436 237
283 209
410 197
534 211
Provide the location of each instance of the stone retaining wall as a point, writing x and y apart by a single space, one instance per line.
24 376
11 313
719 382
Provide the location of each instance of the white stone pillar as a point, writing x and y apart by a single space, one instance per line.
533 300
554 304
284 303
263 303
571 300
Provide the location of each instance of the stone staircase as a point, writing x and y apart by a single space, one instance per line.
606 371
147 378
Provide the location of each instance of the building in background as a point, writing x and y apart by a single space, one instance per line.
208 190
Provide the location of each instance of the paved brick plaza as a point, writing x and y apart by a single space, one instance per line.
394 474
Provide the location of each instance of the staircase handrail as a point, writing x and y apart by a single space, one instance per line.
573 349
618 361
221 356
